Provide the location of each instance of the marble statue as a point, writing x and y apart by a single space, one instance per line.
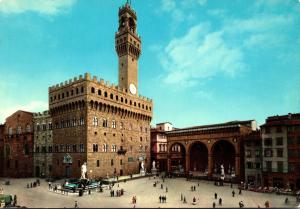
153 165
83 170
142 166
222 170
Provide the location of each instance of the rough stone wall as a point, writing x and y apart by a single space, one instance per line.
18 163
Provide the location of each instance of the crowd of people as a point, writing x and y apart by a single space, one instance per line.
33 184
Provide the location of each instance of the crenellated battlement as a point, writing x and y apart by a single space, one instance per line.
100 81
42 114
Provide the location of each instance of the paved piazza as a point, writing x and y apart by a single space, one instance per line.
147 195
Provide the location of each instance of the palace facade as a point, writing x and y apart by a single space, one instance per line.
18 145
105 125
43 144
281 151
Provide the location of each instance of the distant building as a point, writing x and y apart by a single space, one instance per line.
253 158
281 148
18 145
43 144
2 127
104 125
159 146
202 150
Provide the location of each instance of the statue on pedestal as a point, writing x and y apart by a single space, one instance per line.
83 171
153 165
222 170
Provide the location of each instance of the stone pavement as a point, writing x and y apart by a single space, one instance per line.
147 195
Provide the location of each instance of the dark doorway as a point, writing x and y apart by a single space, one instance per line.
68 171
198 157
121 172
298 184
37 171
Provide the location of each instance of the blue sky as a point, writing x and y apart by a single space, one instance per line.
202 62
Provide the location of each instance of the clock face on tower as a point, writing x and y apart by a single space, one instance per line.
132 89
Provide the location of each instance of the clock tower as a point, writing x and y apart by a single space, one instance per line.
128 47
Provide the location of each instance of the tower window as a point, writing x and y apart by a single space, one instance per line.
117 98
72 92
105 94
134 103
82 89
121 99
98 163
111 96
125 101
67 94
99 92
77 90
130 102
93 90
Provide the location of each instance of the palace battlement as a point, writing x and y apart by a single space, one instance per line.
87 77
44 113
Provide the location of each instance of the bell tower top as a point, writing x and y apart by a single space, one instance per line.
128 48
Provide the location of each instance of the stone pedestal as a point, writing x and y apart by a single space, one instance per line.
154 171
143 172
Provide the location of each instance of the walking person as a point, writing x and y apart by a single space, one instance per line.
216 196
184 200
286 200
15 200
166 189
76 205
220 201
161 186
233 193
214 205
181 197
160 197
240 191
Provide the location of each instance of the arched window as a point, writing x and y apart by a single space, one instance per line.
95 121
121 125
28 128
26 149
113 124
10 131
111 96
77 90
105 147
113 148
95 147
82 89
7 150
105 94
93 90
99 92
104 122
37 149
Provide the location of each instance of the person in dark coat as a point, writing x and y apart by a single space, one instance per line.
220 201
233 193
216 196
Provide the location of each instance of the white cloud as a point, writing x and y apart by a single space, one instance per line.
47 7
33 106
199 54
202 2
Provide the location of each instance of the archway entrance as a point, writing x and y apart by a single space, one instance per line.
198 157
223 154
37 171
177 155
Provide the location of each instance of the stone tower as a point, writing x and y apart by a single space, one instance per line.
128 47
